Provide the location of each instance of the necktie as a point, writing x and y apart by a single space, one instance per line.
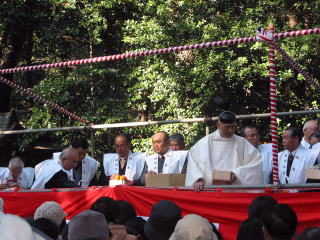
123 162
161 163
289 164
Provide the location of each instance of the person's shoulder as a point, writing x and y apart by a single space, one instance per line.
151 156
90 159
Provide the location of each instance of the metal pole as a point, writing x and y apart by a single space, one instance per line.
137 124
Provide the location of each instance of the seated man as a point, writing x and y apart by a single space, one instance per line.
84 174
253 136
225 151
164 160
124 162
295 159
309 127
176 142
15 175
57 173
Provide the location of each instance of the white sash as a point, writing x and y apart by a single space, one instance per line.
303 159
173 162
25 179
89 169
134 167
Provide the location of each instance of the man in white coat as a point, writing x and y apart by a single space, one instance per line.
295 159
57 173
123 162
253 136
165 160
225 151
309 128
15 175
84 174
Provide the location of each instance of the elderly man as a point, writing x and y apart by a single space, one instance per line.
253 136
225 151
84 174
176 142
15 175
295 159
124 162
164 160
309 127
58 174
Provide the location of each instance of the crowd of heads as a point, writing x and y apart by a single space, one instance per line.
111 219
108 219
270 220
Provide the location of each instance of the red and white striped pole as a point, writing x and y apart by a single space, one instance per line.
273 106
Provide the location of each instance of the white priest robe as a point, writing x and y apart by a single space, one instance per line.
173 162
25 179
89 169
235 154
305 144
134 167
266 154
303 159
47 171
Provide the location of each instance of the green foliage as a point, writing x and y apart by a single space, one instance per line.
171 86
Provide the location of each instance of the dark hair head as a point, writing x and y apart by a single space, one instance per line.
243 130
47 227
105 205
177 137
311 233
259 205
80 143
125 136
295 132
250 229
123 212
280 222
227 117
135 226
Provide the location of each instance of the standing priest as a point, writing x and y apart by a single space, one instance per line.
225 151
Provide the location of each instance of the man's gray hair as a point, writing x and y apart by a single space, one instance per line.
64 153
16 162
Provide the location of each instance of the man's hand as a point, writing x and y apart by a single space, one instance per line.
151 172
198 185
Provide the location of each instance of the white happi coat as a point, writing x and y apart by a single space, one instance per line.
173 162
134 167
303 159
47 171
305 144
316 146
89 169
266 154
214 152
25 179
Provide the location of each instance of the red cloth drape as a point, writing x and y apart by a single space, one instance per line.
226 208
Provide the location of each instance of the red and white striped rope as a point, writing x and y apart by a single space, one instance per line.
269 37
155 52
42 100
273 104
295 65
